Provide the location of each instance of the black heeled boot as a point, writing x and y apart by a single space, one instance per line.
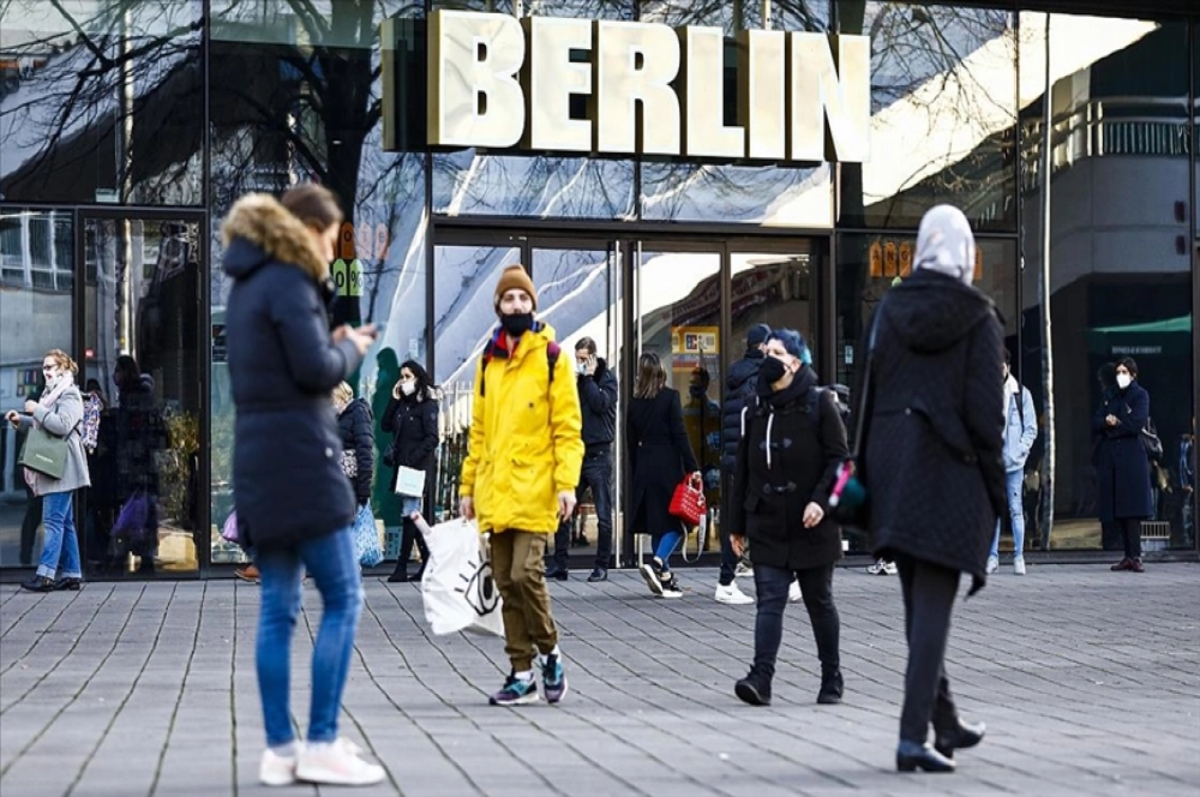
958 737
911 756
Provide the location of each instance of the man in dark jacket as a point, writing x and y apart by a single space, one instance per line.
934 468
740 385
598 400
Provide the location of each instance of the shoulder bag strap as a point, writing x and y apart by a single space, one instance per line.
860 419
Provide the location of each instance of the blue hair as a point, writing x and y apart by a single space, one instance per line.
793 344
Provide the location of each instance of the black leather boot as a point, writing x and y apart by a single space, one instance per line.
754 689
911 756
958 736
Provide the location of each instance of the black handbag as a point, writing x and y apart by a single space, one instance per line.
1151 441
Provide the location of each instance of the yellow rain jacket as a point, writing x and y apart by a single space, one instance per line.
525 445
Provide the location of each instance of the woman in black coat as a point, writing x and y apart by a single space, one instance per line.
358 441
412 418
661 455
934 469
1122 467
788 456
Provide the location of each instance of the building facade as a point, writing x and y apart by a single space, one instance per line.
1066 131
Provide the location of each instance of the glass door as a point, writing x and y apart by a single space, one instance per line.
579 295
142 311
678 301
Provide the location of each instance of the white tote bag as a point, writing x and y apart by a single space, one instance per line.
460 593
410 482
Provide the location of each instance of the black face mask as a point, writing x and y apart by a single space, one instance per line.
771 371
517 324
696 391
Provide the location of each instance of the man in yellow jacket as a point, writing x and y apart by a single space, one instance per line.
519 477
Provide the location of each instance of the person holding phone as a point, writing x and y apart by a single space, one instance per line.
295 506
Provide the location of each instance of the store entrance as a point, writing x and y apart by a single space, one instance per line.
690 299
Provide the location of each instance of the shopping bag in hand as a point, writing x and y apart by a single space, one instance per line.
688 503
459 591
366 538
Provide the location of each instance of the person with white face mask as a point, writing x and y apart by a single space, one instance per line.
412 418
59 412
1122 466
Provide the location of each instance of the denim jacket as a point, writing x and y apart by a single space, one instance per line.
1020 425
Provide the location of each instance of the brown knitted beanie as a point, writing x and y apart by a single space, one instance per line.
514 277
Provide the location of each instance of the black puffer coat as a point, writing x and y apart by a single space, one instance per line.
934 467
354 426
413 423
802 433
287 473
740 385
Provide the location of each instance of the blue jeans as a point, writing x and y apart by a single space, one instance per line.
60 547
1014 482
333 565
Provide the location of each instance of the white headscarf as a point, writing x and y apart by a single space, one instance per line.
945 244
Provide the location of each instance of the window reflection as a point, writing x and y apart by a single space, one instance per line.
36 278
944 91
1120 269
101 101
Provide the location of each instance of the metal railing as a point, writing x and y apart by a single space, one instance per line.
1114 126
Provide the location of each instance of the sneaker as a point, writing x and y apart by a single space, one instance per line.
794 595
277 770
652 573
516 692
731 595
337 764
670 586
553 679
743 570
598 574
993 564
754 689
890 569
878 569
1019 565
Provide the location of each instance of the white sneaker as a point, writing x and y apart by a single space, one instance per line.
336 764
882 567
732 595
1019 565
794 595
993 564
742 570
277 770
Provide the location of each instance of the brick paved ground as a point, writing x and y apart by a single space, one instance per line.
1089 682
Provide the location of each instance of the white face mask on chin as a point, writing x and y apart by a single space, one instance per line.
1124 380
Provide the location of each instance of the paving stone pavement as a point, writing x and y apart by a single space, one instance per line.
1089 682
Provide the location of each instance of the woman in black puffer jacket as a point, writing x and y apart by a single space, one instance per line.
412 418
355 423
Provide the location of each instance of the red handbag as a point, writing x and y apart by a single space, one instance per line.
688 503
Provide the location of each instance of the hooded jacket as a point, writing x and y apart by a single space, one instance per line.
933 469
787 458
525 441
1020 424
287 476
740 384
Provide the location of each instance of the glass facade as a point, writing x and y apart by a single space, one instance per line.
129 127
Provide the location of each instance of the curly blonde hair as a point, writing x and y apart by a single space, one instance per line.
62 360
343 394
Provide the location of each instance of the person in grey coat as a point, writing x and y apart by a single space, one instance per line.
60 413
934 470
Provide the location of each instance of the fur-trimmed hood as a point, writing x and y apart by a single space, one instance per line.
259 230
